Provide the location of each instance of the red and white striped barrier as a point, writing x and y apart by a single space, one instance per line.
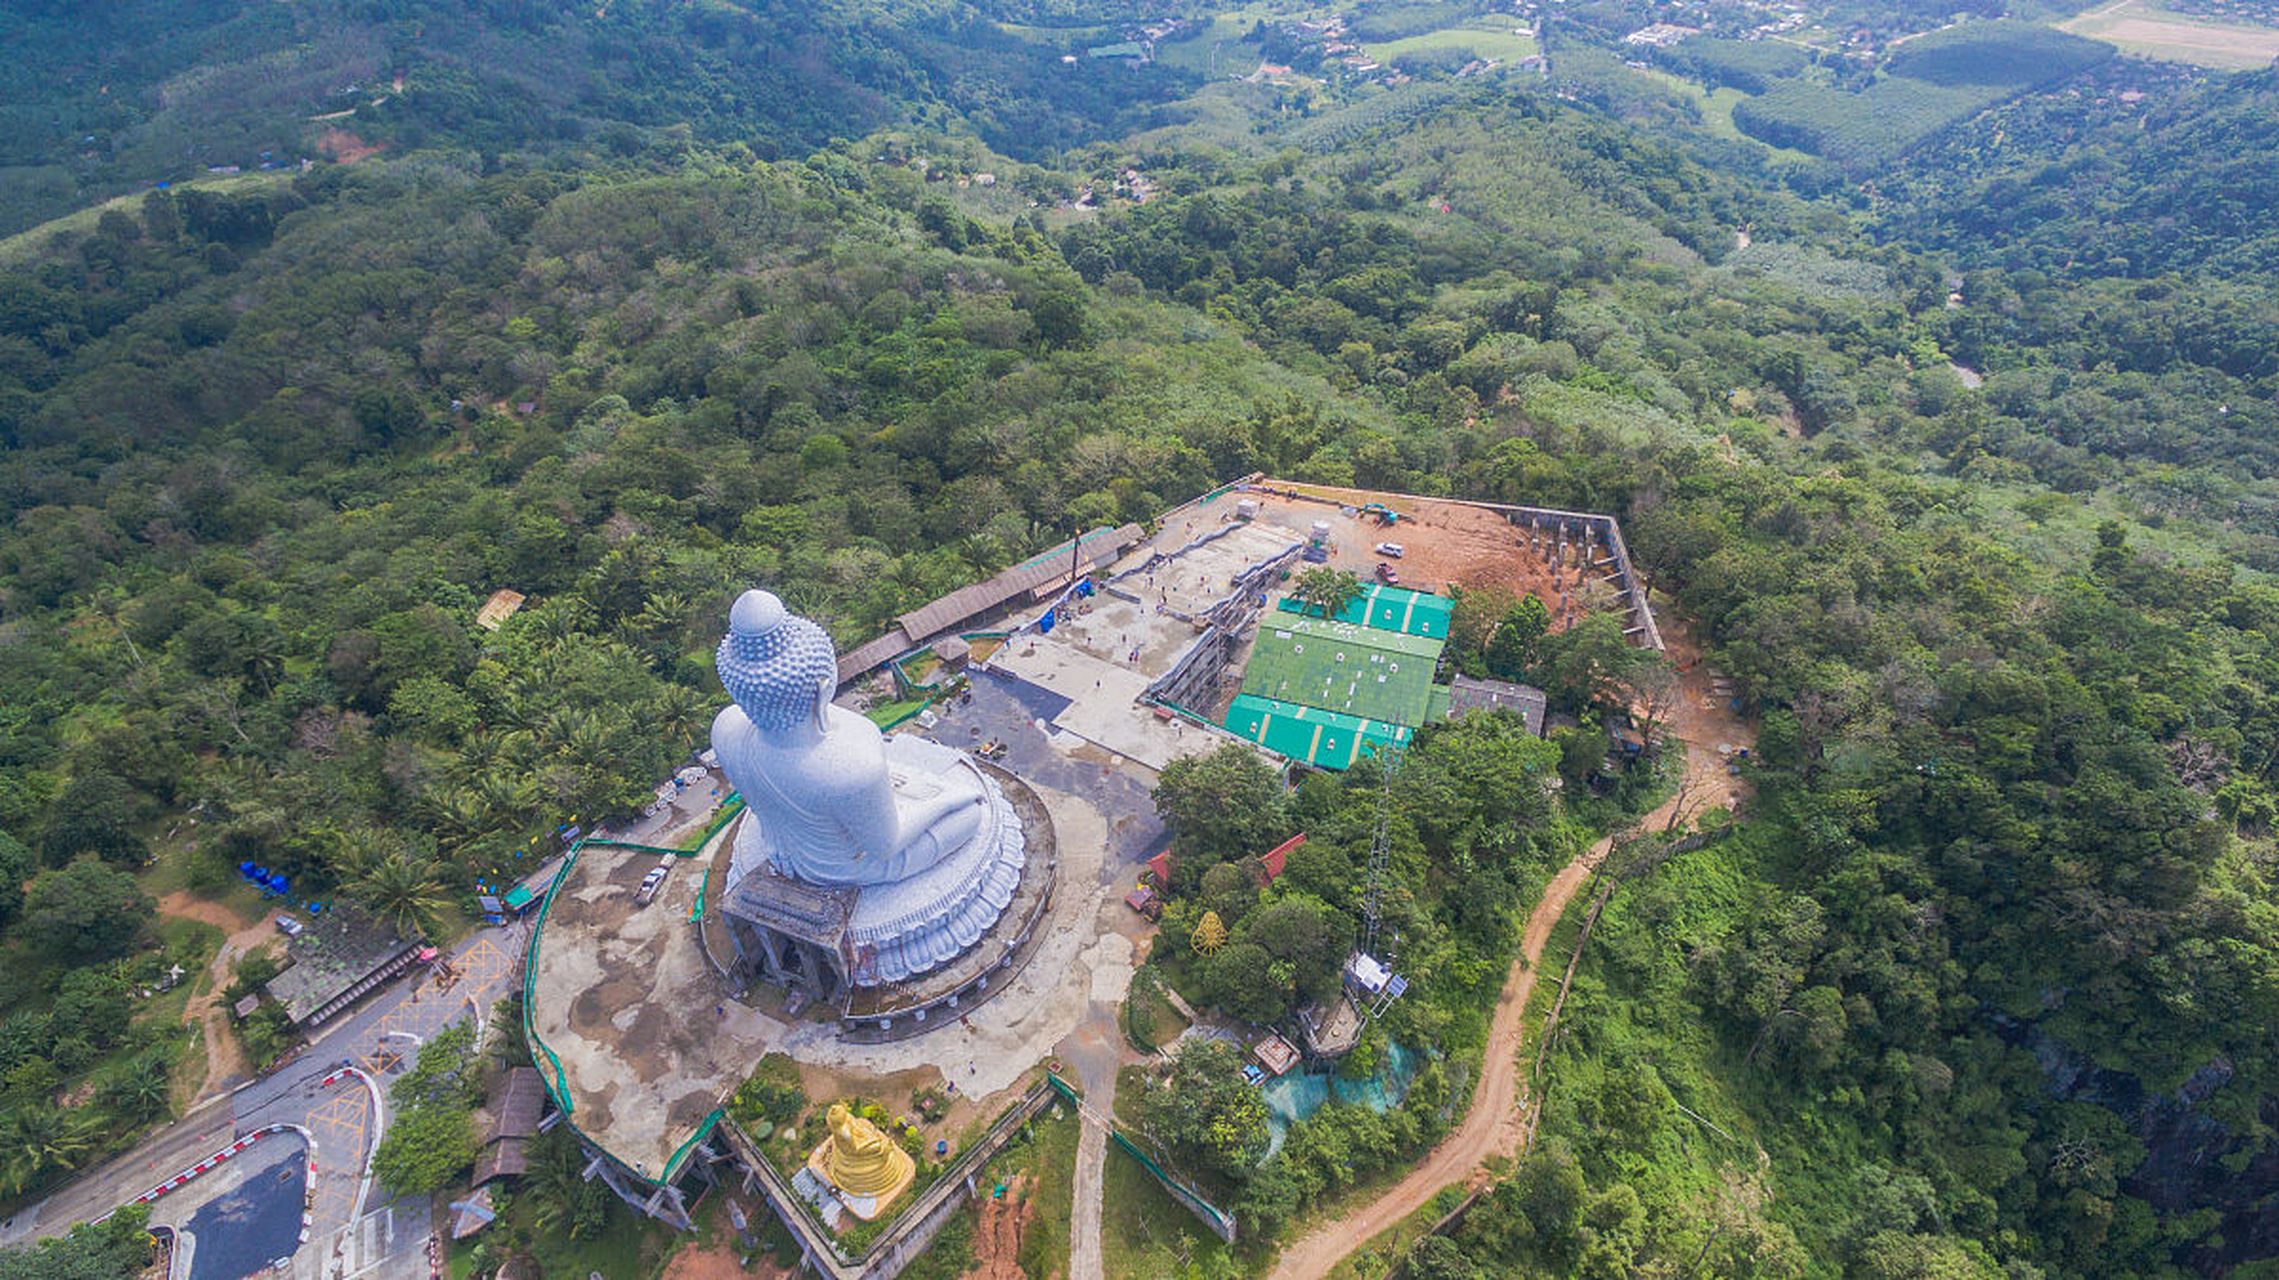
218 1158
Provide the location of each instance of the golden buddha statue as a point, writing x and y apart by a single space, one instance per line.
865 1165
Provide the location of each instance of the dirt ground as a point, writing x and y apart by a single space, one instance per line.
827 1084
225 1057
997 1233
1443 542
344 147
718 1256
1501 1121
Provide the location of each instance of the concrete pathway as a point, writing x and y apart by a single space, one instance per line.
1095 1053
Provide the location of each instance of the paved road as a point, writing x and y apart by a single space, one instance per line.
379 1036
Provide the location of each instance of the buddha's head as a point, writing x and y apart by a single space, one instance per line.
779 667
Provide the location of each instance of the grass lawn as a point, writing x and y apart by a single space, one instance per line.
1059 37
191 944
17 247
1226 32
1048 1158
1150 1021
1717 112
890 714
2147 30
1144 1233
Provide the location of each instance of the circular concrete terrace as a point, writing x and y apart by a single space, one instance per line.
639 1031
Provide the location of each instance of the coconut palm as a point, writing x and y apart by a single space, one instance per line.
456 813
555 1187
38 1140
680 709
405 891
141 1092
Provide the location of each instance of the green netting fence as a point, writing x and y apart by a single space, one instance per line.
549 1064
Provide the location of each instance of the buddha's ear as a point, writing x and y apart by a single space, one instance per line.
825 685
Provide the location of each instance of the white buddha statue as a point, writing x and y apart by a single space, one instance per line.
830 807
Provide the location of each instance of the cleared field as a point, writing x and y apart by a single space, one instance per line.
2139 28
17 247
1227 33
1059 37
1717 111
1483 37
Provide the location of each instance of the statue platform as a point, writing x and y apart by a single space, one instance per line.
820 918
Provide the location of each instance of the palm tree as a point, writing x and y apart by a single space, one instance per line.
404 891
662 625
35 1140
551 1186
141 1092
1325 589
509 799
680 709
456 813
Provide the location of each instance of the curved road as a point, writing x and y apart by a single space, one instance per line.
347 1237
1496 1123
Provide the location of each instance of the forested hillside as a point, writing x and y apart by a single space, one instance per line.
102 101
1984 984
2110 182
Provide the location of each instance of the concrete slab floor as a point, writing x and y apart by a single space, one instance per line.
650 1039
1103 701
641 1025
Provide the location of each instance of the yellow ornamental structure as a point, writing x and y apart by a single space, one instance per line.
865 1166
1210 933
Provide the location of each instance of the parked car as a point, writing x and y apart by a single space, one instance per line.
650 883
1388 575
290 927
1393 550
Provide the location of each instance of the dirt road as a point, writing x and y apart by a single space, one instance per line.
1494 1125
225 1057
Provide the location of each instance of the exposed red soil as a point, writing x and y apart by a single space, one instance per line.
997 1235
343 147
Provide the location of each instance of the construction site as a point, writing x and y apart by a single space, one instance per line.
1075 678
1191 634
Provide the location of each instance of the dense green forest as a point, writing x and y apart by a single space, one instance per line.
1969 478
106 101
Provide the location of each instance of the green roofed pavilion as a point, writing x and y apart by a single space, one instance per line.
1357 671
1416 613
1324 739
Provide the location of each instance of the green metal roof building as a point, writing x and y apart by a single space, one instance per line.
1328 739
1321 690
1416 613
